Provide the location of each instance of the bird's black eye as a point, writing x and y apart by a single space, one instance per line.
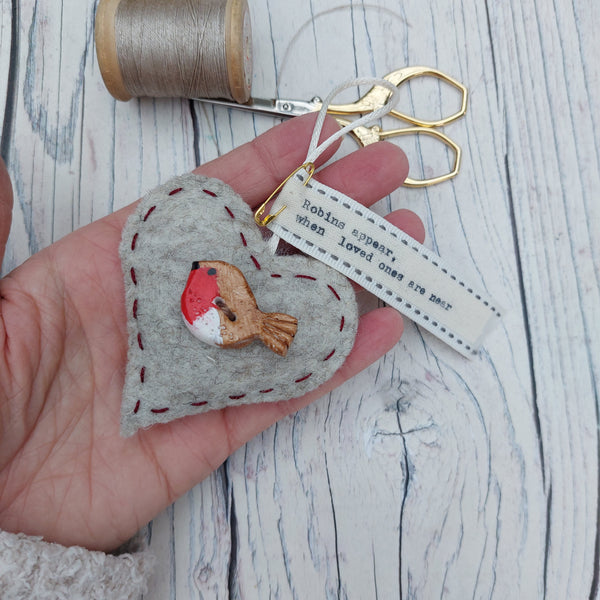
212 271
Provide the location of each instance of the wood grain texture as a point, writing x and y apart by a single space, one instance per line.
428 475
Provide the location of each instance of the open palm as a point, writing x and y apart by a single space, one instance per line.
65 473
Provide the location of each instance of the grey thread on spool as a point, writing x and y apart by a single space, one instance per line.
172 48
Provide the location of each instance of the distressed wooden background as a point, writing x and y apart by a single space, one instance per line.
428 475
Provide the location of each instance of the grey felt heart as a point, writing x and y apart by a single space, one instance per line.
170 373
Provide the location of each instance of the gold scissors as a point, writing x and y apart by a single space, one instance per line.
376 97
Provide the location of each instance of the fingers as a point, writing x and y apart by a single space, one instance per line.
6 202
409 222
368 174
255 169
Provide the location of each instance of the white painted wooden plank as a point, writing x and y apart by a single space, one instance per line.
5 56
486 407
194 562
553 215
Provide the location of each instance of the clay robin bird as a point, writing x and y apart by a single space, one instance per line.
219 308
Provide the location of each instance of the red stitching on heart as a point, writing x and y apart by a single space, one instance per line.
256 263
334 292
303 378
258 266
150 211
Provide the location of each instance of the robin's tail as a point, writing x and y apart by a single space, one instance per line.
278 331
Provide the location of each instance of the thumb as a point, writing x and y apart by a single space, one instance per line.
6 203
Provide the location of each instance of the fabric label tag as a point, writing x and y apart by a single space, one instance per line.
340 232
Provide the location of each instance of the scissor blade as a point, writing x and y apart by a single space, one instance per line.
269 106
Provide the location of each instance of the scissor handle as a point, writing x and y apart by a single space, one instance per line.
409 182
377 96
369 135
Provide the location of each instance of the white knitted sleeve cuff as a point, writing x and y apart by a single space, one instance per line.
31 568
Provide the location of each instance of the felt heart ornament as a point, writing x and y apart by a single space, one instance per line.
189 223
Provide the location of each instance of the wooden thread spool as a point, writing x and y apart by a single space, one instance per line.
175 48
